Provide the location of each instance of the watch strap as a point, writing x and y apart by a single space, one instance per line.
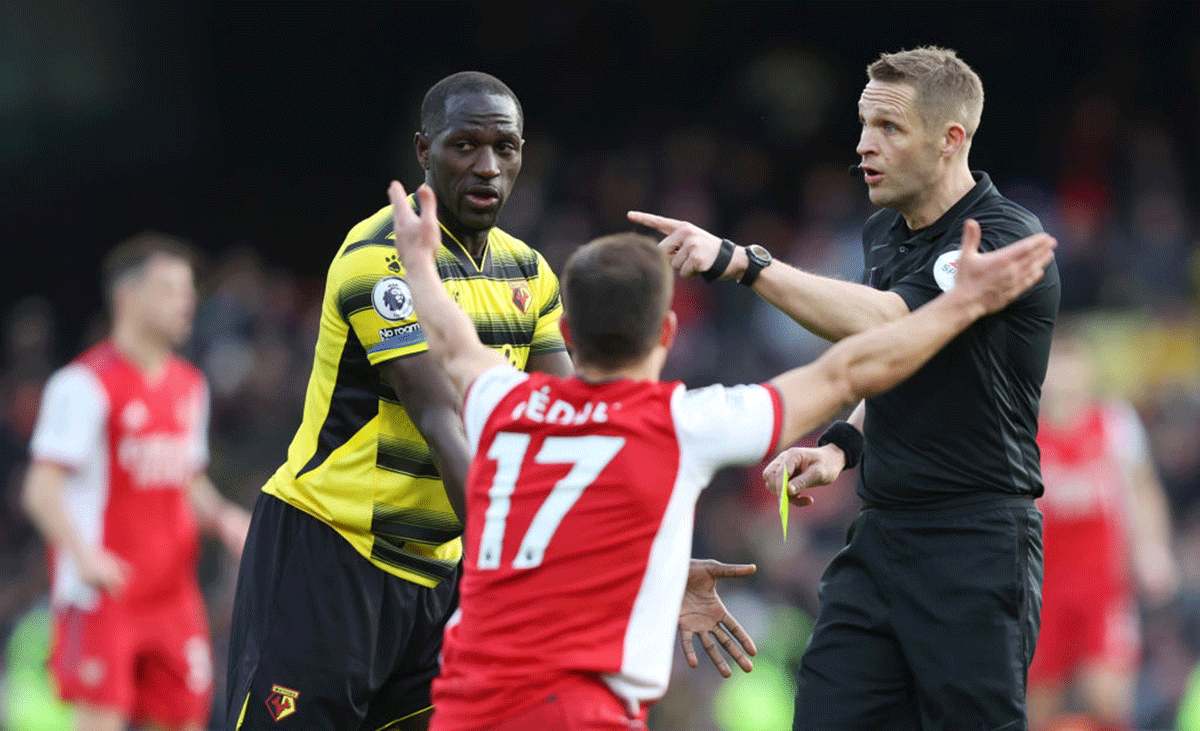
754 265
721 263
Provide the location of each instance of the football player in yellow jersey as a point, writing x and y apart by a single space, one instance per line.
351 567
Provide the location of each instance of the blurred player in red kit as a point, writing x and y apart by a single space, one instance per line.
581 492
118 490
1107 535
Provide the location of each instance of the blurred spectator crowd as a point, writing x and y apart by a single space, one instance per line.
1130 264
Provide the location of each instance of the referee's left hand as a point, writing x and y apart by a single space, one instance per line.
805 467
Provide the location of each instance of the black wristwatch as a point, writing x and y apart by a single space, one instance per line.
759 258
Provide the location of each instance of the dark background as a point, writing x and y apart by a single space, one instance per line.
279 124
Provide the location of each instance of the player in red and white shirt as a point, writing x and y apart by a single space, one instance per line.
1106 535
117 488
581 494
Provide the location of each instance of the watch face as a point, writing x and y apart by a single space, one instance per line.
757 253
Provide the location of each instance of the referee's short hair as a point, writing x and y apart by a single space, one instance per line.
128 260
433 107
616 291
947 88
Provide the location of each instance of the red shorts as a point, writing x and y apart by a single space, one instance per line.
578 703
1085 629
153 663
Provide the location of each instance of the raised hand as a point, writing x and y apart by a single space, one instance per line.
417 236
691 249
703 614
996 278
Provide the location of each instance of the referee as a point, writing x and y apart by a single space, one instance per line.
929 615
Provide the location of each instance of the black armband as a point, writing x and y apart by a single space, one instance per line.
846 438
721 263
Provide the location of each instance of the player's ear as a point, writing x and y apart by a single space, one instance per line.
953 139
670 328
565 329
421 145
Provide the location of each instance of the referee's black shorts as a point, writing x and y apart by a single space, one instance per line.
323 639
928 621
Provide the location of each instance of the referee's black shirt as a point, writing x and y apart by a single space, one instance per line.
962 428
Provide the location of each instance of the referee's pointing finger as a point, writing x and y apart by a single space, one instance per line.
659 223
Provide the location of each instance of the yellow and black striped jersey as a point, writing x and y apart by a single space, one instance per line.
357 462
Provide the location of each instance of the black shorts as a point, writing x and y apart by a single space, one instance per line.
322 638
928 621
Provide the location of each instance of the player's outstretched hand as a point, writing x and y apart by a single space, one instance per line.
703 614
417 236
996 278
691 249
806 467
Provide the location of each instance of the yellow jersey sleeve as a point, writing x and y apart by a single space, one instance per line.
547 338
375 301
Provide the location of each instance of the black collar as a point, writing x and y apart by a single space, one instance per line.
953 215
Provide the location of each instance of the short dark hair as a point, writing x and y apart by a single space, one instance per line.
616 291
129 258
433 107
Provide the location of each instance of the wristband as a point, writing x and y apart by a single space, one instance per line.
721 263
845 437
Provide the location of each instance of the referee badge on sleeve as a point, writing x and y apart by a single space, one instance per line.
945 269
392 299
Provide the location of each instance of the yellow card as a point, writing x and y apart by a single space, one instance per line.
783 503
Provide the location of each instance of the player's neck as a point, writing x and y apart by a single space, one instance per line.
647 369
149 354
949 190
474 241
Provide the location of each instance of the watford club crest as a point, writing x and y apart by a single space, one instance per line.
521 296
282 702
